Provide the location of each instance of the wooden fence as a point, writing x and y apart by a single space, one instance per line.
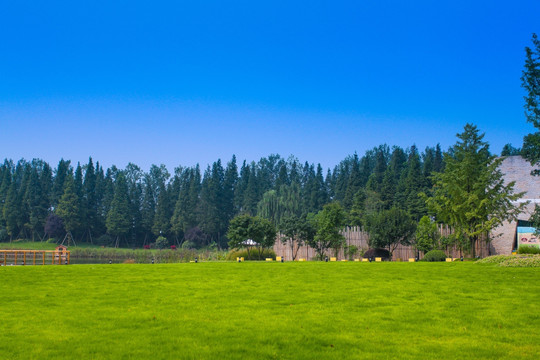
34 257
356 236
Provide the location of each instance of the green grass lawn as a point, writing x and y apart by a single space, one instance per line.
306 310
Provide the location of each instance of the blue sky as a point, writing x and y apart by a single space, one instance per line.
181 83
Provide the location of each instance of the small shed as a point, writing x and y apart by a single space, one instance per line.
61 248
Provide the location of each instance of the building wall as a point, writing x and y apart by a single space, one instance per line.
517 169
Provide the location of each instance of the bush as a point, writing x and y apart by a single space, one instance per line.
373 253
188 245
435 255
162 242
350 251
528 249
105 240
3 235
254 254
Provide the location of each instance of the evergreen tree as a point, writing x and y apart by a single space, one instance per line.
161 223
414 185
69 207
12 211
90 198
251 194
229 187
118 218
345 193
148 208
61 173
471 195
37 204
530 81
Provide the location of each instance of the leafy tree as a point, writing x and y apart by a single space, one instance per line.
427 235
298 231
269 207
471 195
245 227
328 223
390 228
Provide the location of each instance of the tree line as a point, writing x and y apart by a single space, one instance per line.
134 207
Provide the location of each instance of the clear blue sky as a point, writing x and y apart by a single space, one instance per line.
186 82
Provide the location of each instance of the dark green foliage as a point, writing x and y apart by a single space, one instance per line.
427 235
118 219
162 242
378 252
298 231
528 249
328 223
105 240
3 235
69 206
273 187
390 228
509 150
530 81
245 229
435 255
470 194
54 226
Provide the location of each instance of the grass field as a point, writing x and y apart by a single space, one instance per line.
306 310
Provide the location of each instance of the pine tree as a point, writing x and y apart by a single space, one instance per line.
36 203
161 223
90 198
251 194
69 207
229 187
530 81
61 173
118 218
414 185
471 195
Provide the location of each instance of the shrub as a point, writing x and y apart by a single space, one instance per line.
435 255
254 254
162 242
373 253
105 240
51 241
3 235
350 251
528 249
188 245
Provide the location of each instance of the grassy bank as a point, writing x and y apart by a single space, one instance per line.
270 310
140 256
